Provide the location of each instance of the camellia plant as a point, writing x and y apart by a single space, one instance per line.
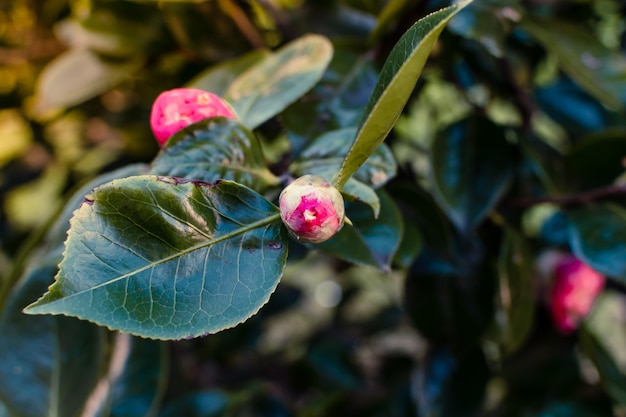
312 208
193 246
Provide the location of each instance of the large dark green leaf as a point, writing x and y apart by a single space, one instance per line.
594 67
516 292
369 241
472 165
167 258
215 149
217 79
49 364
395 85
598 237
269 86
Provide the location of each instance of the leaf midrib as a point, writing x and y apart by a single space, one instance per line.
258 224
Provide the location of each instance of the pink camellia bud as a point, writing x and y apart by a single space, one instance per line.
574 290
176 109
312 209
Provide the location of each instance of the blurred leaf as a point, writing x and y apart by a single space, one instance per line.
571 107
13 126
472 165
395 85
76 76
447 302
595 68
420 209
198 404
333 360
137 377
168 258
516 291
485 22
598 237
49 364
112 29
336 102
597 159
214 149
388 17
268 87
370 241
451 386
613 380
218 78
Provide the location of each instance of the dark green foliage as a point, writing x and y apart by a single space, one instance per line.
504 144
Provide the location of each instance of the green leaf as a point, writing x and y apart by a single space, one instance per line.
218 78
327 152
472 165
49 364
213 149
369 241
324 155
76 76
597 69
516 292
336 102
388 16
395 85
167 258
613 380
267 88
598 237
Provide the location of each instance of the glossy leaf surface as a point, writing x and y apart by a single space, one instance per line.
396 82
267 88
167 258
472 167
214 149
598 237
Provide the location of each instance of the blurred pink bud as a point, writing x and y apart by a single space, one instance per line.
574 290
173 110
312 209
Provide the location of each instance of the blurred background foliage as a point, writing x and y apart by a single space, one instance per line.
512 145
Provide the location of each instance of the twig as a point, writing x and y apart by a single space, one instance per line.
572 199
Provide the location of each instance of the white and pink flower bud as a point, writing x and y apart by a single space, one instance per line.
173 110
575 288
312 209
